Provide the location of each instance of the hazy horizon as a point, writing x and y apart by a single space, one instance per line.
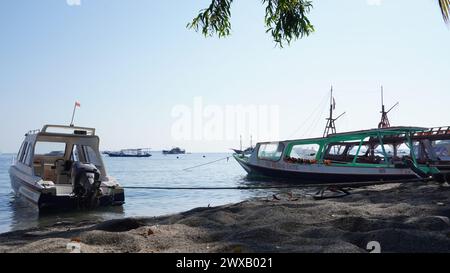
131 63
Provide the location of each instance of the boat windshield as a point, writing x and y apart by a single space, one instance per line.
304 151
50 149
85 154
271 151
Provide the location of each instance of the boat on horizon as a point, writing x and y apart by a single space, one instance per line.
243 151
61 167
139 153
174 151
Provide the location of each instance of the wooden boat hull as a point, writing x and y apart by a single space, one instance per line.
324 174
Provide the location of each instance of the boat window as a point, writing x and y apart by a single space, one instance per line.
54 149
403 150
24 152
20 151
306 151
380 154
74 157
28 158
421 152
389 149
442 149
91 156
271 151
337 149
354 150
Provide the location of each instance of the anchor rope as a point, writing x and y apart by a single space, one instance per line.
366 183
208 163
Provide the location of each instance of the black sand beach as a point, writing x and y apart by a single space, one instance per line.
401 217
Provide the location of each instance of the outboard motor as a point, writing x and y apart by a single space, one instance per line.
86 184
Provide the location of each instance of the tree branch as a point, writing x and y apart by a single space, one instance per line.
286 20
214 20
445 9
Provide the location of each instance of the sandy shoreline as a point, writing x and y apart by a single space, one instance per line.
401 217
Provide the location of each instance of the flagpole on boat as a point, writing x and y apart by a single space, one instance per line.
77 104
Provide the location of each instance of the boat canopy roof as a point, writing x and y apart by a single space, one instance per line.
382 131
356 135
63 130
70 130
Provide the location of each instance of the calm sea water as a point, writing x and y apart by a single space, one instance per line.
159 170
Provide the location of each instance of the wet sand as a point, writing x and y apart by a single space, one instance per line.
401 217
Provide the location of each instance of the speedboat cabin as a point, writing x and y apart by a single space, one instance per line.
63 165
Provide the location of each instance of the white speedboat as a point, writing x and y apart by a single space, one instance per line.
61 167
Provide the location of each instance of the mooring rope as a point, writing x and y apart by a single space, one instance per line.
209 163
366 183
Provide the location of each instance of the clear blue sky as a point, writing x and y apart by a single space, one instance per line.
130 62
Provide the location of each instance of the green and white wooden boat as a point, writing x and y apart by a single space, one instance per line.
384 154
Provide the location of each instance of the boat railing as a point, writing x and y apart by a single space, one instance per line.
435 131
34 132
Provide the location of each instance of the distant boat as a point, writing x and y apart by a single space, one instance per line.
130 153
174 151
247 151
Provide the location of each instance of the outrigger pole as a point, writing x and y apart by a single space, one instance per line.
331 122
384 123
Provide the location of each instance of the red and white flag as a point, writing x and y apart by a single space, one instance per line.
77 104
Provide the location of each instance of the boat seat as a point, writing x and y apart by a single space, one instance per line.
338 158
62 175
38 168
49 173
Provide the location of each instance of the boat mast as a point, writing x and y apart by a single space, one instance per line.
384 123
240 142
330 128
